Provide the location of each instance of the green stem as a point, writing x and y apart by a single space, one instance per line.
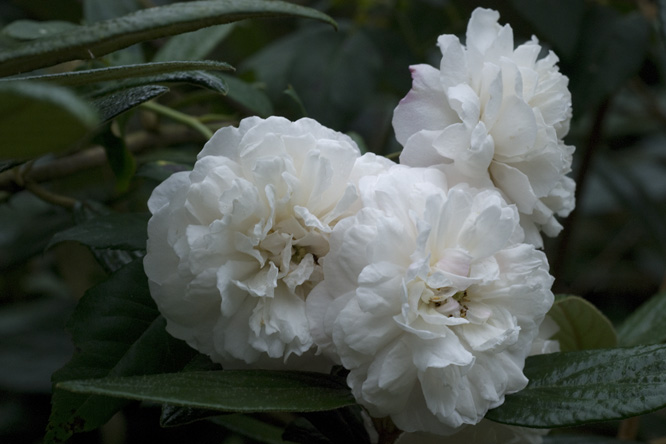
183 118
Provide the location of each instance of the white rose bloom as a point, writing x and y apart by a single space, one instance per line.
488 431
234 247
431 300
492 115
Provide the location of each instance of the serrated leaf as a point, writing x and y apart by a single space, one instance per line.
646 325
31 29
84 77
582 325
95 40
245 391
195 45
573 388
37 118
117 331
122 231
114 104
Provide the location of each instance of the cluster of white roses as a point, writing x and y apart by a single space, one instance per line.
287 248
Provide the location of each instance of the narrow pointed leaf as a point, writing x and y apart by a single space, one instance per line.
98 39
211 81
195 45
87 76
646 325
114 104
117 331
227 390
31 29
582 325
573 388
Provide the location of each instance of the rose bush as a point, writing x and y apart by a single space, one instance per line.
494 116
235 246
430 299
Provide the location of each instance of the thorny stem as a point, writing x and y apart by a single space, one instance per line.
183 118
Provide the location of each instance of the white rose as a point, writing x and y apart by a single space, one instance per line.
494 116
487 431
430 300
235 246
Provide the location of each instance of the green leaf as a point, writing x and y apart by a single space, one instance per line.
122 231
195 45
335 81
87 76
646 325
573 388
247 97
95 40
582 325
243 391
117 331
174 416
251 428
212 81
95 11
98 10
31 29
120 159
36 118
114 104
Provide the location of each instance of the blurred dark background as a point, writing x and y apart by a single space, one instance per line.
612 250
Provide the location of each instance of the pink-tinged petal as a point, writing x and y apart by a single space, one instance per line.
425 106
